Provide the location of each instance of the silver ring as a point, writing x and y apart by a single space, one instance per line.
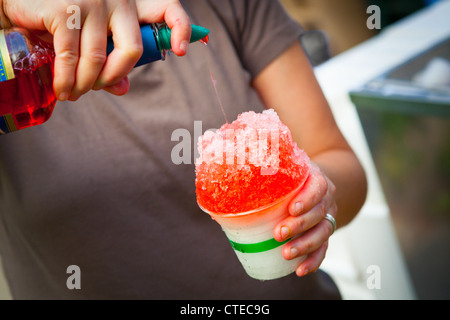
330 218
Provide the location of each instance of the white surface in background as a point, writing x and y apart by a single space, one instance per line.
370 239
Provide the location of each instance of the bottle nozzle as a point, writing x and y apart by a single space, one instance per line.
164 35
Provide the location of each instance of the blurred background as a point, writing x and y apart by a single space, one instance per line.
410 150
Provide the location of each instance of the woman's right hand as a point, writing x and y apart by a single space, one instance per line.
81 63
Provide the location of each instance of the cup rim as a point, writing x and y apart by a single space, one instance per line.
259 209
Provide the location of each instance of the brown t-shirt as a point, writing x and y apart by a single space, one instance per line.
100 186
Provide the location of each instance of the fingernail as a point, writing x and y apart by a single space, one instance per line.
184 46
73 98
298 208
285 232
305 271
63 96
293 252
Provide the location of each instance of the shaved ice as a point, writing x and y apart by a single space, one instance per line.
248 164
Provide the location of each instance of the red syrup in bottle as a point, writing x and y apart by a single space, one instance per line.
26 88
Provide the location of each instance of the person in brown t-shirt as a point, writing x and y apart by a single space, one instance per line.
96 186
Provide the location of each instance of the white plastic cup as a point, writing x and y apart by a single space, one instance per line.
251 236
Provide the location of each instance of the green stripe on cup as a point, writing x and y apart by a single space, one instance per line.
257 247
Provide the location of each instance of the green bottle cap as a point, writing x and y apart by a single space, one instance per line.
164 34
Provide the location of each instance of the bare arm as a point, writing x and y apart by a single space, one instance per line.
337 184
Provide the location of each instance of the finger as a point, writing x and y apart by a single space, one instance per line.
315 188
293 225
92 52
120 88
313 261
309 241
66 45
127 47
178 21
175 17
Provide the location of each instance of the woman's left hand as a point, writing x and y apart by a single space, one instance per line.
306 223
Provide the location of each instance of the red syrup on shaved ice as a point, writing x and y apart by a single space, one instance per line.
248 164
